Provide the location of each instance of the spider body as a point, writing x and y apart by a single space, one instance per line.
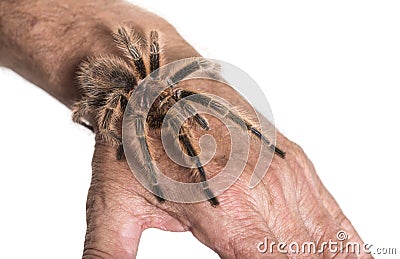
107 83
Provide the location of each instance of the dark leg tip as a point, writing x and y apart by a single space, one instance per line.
120 152
160 199
86 125
280 153
158 193
214 202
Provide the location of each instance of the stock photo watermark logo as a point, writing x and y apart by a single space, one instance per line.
339 245
164 86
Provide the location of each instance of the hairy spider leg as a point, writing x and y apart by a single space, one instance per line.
207 101
141 135
77 115
191 111
115 104
179 76
99 78
86 125
154 54
176 124
184 72
130 44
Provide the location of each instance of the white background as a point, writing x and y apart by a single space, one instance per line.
329 70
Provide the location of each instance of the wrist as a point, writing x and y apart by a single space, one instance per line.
45 42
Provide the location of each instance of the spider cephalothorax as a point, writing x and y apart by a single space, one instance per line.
107 83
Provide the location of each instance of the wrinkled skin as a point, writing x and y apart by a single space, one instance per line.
289 205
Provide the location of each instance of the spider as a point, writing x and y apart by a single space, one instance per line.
107 82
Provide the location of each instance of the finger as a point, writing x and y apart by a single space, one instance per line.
352 236
116 213
114 230
284 217
329 237
110 234
323 214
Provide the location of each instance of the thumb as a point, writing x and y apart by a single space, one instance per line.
111 231
116 212
113 213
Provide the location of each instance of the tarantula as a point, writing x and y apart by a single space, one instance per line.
107 82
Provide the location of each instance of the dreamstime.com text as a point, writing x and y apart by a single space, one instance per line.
340 245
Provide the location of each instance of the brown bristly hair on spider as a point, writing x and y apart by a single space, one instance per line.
107 82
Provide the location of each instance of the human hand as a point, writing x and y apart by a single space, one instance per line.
289 205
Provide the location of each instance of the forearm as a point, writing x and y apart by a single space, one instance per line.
44 41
